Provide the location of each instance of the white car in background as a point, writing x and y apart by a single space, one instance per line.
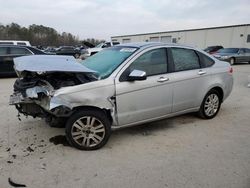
98 48
15 42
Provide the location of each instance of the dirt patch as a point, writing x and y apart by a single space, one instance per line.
59 139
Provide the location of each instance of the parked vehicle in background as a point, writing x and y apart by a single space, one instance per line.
120 86
98 48
67 50
83 50
8 52
88 44
212 49
233 55
15 42
50 50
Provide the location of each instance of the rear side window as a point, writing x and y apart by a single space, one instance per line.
21 43
19 51
207 61
3 50
6 43
185 59
242 51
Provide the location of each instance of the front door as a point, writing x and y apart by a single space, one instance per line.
139 101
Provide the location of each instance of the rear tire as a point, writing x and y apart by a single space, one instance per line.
210 105
88 129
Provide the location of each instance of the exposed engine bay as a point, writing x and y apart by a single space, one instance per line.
34 90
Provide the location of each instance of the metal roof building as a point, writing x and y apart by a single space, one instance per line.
227 36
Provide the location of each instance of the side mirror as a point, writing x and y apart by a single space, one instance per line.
137 75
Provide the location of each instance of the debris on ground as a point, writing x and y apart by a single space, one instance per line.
60 139
13 184
30 149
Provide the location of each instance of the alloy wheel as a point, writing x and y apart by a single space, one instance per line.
211 105
88 131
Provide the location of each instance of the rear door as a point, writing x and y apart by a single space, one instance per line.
190 79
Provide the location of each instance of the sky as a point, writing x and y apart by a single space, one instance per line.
102 19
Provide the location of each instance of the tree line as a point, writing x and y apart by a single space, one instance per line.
40 35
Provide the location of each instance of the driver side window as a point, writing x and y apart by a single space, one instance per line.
153 62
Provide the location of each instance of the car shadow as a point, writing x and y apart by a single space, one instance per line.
153 128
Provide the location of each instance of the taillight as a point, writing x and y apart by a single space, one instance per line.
230 70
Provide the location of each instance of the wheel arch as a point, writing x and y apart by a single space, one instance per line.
106 111
219 90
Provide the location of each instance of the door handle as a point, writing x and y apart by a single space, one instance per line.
162 79
201 72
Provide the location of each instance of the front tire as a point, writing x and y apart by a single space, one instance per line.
88 129
210 105
232 61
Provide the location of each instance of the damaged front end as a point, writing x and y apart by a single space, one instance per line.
40 77
36 99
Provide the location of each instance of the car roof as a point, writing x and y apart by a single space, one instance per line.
12 45
233 48
152 44
34 50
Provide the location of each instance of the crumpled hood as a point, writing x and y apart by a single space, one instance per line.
48 63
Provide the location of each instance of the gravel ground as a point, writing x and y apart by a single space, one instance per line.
179 152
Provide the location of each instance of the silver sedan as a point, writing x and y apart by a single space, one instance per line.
126 85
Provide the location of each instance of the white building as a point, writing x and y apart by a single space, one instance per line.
227 36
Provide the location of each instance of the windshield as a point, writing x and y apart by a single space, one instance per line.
106 61
228 50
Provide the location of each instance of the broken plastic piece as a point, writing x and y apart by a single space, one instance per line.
13 184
